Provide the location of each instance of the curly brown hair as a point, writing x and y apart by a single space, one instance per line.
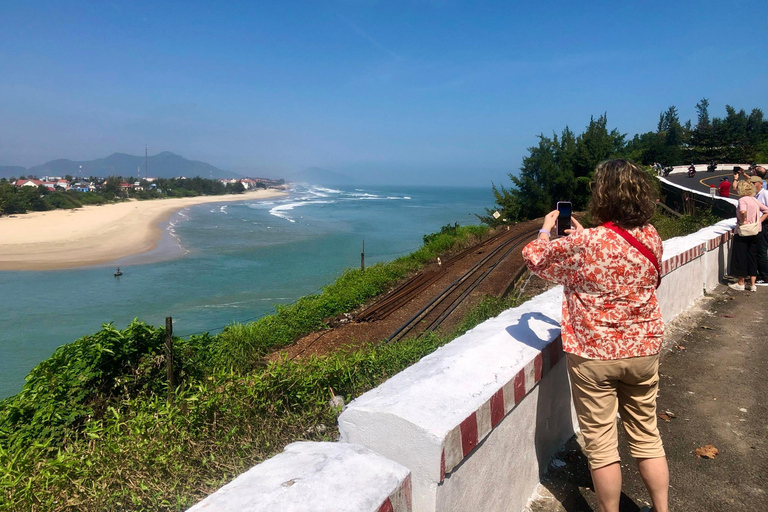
621 193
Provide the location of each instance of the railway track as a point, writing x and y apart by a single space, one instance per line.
432 315
420 282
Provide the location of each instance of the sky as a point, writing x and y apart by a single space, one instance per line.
414 92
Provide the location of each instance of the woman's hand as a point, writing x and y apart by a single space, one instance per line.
577 227
550 220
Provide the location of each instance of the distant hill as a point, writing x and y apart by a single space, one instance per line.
162 165
319 176
8 171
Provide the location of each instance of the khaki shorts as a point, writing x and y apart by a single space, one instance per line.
600 389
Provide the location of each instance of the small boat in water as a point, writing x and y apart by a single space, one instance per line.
118 272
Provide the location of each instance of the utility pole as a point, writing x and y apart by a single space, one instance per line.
169 356
146 161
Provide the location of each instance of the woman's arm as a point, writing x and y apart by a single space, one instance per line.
741 215
556 260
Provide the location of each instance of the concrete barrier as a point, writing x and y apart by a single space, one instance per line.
321 477
477 421
693 264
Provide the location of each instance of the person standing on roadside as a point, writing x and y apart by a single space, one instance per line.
744 249
760 171
724 189
612 326
762 237
737 171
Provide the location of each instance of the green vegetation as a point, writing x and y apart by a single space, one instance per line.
670 227
20 200
561 167
15 200
92 429
178 187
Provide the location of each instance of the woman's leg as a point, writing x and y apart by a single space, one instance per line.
655 473
607 482
739 258
593 386
637 392
752 260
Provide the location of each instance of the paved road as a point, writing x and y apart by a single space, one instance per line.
702 180
713 379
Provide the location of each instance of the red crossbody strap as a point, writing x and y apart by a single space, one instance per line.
637 245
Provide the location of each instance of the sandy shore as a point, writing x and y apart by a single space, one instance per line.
94 234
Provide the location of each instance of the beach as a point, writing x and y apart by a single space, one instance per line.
92 235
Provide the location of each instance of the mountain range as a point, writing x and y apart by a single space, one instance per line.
162 165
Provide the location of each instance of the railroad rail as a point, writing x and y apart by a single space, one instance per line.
421 281
432 315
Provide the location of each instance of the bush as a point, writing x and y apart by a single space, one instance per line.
88 198
670 227
61 200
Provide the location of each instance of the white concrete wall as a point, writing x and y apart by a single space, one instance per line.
318 477
509 461
432 416
680 169
475 422
692 265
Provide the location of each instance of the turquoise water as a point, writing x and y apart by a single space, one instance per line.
223 263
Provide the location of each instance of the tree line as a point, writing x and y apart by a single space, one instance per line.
560 167
15 200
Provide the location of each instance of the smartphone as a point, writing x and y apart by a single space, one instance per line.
563 217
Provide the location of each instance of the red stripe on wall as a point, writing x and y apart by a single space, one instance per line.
387 506
469 434
442 466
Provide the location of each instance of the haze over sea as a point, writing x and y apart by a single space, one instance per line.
224 263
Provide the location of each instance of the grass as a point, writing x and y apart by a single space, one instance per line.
670 227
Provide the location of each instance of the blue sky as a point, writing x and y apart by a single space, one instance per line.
413 91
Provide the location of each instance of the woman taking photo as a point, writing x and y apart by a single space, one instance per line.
612 327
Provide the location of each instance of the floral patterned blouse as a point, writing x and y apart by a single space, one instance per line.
610 310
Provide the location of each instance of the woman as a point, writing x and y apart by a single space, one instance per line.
744 255
612 327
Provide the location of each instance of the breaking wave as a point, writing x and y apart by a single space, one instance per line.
304 195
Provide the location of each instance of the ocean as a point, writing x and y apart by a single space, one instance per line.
223 263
